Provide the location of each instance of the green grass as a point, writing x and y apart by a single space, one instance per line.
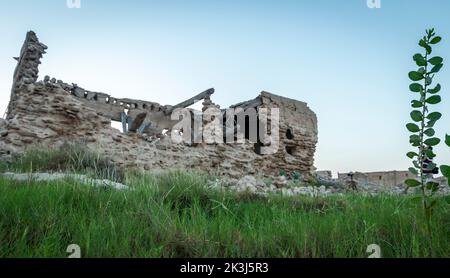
174 215
70 157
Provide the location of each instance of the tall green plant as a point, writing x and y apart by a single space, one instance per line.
422 127
445 169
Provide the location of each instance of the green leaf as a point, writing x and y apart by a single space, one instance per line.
413 171
416 87
433 186
436 40
430 132
447 140
412 183
420 60
435 116
416 164
416 116
432 141
416 104
445 170
423 44
415 76
430 154
436 69
413 127
430 124
434 99
411 155
435 90
414 140
436 60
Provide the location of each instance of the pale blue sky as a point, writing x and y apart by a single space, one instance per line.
348 62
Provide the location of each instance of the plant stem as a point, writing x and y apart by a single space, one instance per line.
426 208
422 130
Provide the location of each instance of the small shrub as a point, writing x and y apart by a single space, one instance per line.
422 126
296 175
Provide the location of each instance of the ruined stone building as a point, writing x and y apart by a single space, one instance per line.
49 112
389 178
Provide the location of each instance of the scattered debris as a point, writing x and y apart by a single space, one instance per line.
39 177
252 185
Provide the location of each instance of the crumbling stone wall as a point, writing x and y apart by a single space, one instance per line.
50 112
389 178
298 134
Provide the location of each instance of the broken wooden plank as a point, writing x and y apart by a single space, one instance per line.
143 127
191 101
248 104
123 119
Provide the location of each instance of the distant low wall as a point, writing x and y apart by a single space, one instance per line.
389 178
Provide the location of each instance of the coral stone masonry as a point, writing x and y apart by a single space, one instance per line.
51 112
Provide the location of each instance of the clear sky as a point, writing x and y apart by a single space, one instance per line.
348 62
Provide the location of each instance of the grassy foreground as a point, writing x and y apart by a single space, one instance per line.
176 215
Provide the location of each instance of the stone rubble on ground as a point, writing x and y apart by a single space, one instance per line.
47 177
280 182
252 185
249 184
